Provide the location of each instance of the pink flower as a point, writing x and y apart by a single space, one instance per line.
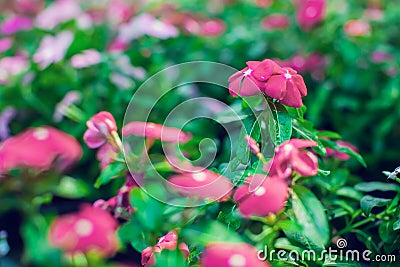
50 17
310 12
231 255
70 98
90 229
288 158
169 242
212 27
10 66
117 46
341 155
252 144
155 131
5 44
6 117
15 23
357 28
275 22
40 149
52 49
263 3
146 24
288 88
202 184
380 56
31 7
119 11
373 14
86 59
269 197
100 128
106 154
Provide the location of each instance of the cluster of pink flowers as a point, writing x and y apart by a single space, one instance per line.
283 84
169 242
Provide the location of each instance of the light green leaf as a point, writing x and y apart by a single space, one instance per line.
280 124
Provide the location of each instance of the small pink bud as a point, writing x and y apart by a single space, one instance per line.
254 148
100 127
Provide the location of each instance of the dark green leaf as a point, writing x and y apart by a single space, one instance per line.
377 186
368 202
113 170
280 124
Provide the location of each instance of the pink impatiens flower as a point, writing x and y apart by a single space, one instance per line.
85 59
100 128
50 17
341 155
267 198
231 255
169 242
52 49
309 13
202 184
39 148
155 131
15 23
289 157
90 229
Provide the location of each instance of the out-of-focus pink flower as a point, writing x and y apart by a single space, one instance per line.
373 14
90 229
288 88
341 155
40 149
252 144
380 56
52 49
357 28
58 12
169 242
275 22
124 65
264 3
100 128
268 198
5 44
288 158
212 27
5 117
10 66
106 154
146 24
309 13
231 255
155 131
117 46
16 23
203 184
119 11
30 7
85 59
70 98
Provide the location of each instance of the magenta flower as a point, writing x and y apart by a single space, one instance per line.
50 17
106 154
380 56
212 28
252 144
5 44
155 131
275 22
268 198
243 82
119 11
146 24
169 242
100 128
90 229
39 149
288 158
231 255
341 155
203 184
309 13
52 49
10 66
15 23
87 58
117 46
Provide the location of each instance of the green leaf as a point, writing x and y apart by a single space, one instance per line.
243 150
368 202
280 125
396 225
377 186
323 172
130 232
305 130
232 114
349 192
310 214
329 134
229 217
205 232
72 188
113 170
170 258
